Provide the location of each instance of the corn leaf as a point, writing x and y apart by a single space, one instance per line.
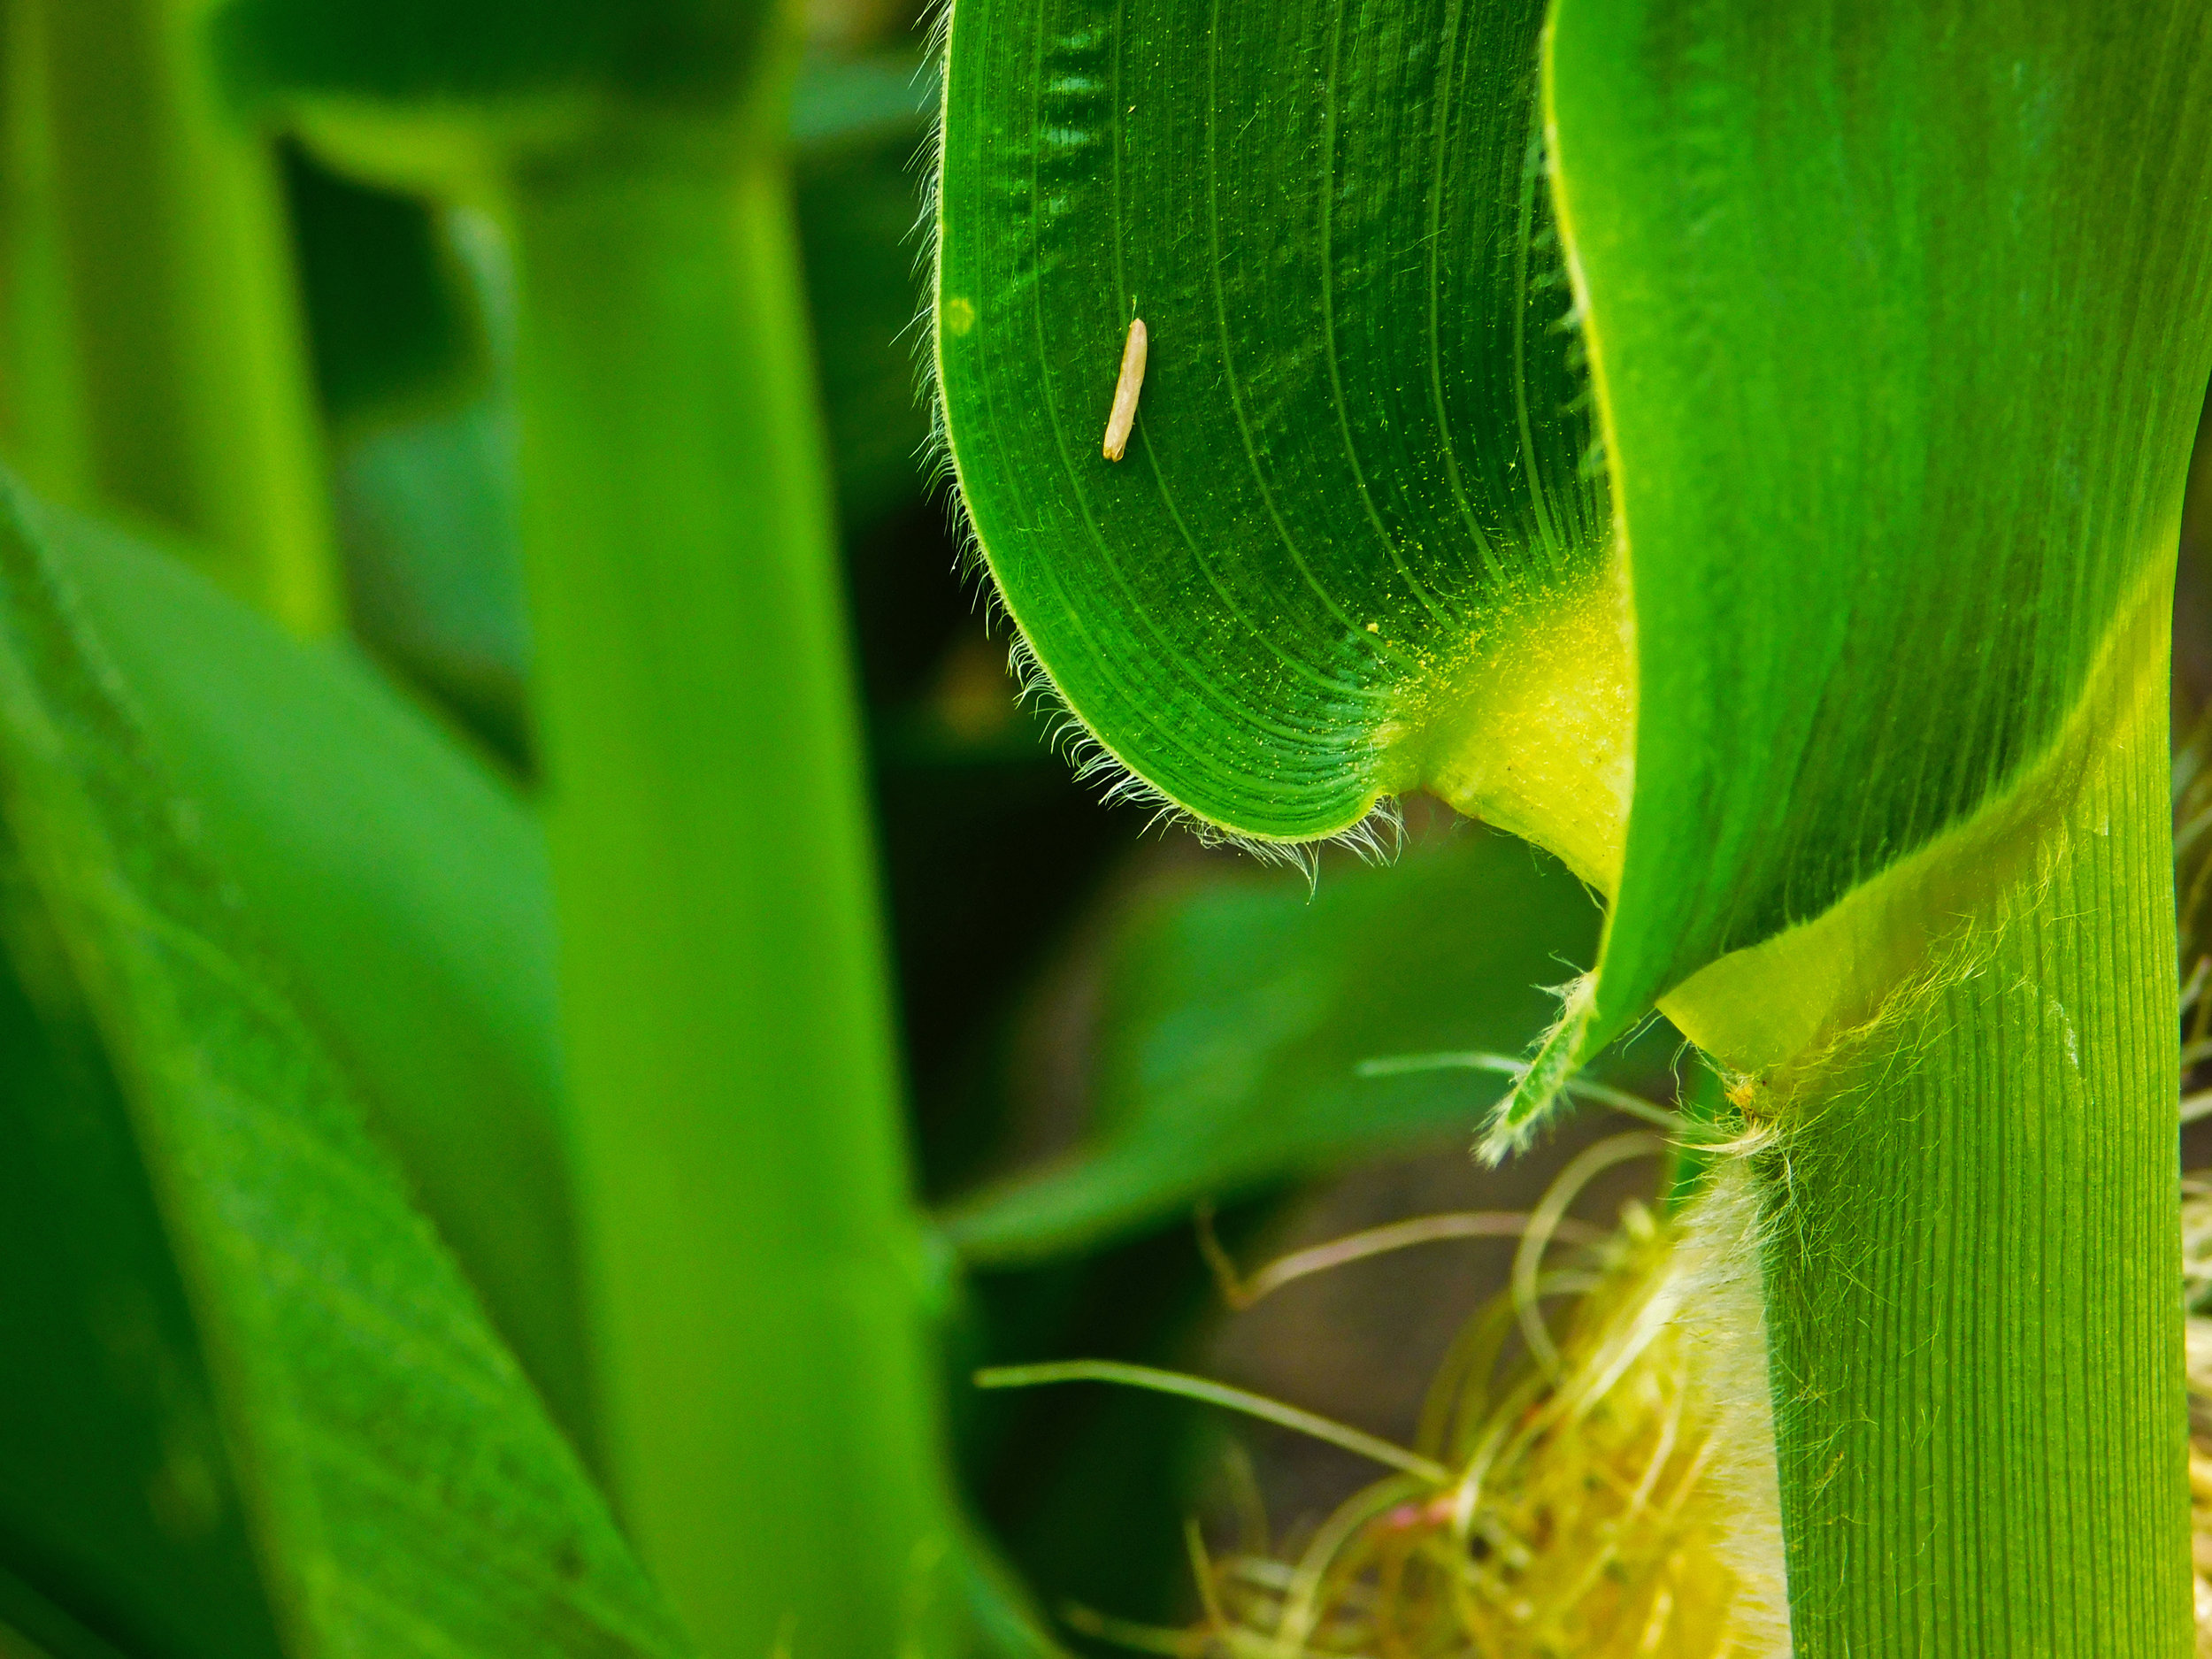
1236 1020
1898 321
404 891
573 57
1357 492
159 370
426 513
40 1630
401 1486
392 321
118 1500
1901 324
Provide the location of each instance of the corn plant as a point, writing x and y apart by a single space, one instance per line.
1740 449
457 1192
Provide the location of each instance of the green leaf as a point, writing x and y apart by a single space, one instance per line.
849 102
389 305
1236 1017
1898 320
405 892
754 1257
1355 545
566 54
1901 326
857 128
31 1627
1899 367
449 97
403 1488
427 504
427 512
118 1497
153 296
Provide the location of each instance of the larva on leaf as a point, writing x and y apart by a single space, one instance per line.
1125 389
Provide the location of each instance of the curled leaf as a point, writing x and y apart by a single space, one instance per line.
1355 546
1896 324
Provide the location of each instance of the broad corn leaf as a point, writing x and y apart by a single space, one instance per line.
401 1486
403 892
1899 320
119 1503
1902 319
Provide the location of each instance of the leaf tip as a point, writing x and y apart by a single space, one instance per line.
1524 1107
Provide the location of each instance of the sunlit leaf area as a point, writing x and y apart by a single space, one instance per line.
1026 829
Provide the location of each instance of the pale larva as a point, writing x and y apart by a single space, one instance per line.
1125 389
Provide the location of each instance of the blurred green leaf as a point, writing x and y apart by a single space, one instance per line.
405 893
157 306
528 53
31 1627
1235 1018
841 101
426 501
858 128
118 1497
390 312
403 1487
427 516
997 1611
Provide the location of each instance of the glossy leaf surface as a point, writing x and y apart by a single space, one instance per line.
401 1484
1235 1018
1357 481
1902 321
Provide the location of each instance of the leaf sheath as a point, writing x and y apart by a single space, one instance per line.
1971 1259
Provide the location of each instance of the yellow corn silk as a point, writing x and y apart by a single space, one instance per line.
1603 1501
1608 1499
1606 1427
2196 1245
2192 887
